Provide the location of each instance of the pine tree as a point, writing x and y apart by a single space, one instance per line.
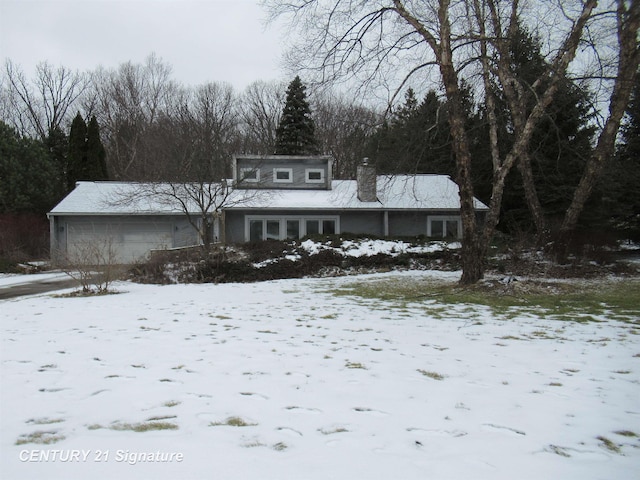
295 134
27 174
86 159
416 138
559 147
77 156
57 145
621 189
96 165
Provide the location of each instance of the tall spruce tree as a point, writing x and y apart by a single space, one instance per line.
57 145
416 138
96 166
295 134
86 159
77 155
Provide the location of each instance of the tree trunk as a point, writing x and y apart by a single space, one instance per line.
531 195
472 245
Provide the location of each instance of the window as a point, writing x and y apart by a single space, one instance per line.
283 175
273 229
314 175
255 230
250 175
288 227
444 227
329 227
312 227
293 229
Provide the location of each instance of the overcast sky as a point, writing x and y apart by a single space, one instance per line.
203 40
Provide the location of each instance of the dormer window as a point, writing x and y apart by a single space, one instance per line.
283 175
251 175
314 175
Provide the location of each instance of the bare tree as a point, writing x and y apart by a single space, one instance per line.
342 129
452 42
128 102
44 103
261 106
202 203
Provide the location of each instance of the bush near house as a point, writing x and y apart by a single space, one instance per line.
344 254
271 260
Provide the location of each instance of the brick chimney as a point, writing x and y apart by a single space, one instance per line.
366 180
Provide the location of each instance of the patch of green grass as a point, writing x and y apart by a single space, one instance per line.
626 433
578 301
44 421
434 375
40 437
609 445
171 403
280 446
137 427
356 365
233 422
332 430
161 417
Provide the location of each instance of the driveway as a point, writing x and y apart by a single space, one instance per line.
19 285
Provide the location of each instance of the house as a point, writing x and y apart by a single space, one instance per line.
269 197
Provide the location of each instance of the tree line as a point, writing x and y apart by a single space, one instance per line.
155 129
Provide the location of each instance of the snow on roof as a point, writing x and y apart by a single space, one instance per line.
399 192
117 198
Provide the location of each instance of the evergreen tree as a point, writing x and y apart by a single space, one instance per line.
77 155
295 134
621 189
559 147
57 146
26 173
415 139
96 166
86 159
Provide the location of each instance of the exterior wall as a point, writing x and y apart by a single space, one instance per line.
407 224
299 167
359 222
130 238
363 222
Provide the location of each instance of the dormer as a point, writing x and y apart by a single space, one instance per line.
288 172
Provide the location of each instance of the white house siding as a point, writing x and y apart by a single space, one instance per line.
129 238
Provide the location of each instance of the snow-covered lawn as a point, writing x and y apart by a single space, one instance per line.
286 380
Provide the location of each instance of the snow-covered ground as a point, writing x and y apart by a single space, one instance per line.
286 380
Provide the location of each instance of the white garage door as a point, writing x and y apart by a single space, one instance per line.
125 242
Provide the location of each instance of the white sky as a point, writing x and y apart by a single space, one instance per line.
203 40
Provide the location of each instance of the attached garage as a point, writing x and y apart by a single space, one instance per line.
127 239
87 223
